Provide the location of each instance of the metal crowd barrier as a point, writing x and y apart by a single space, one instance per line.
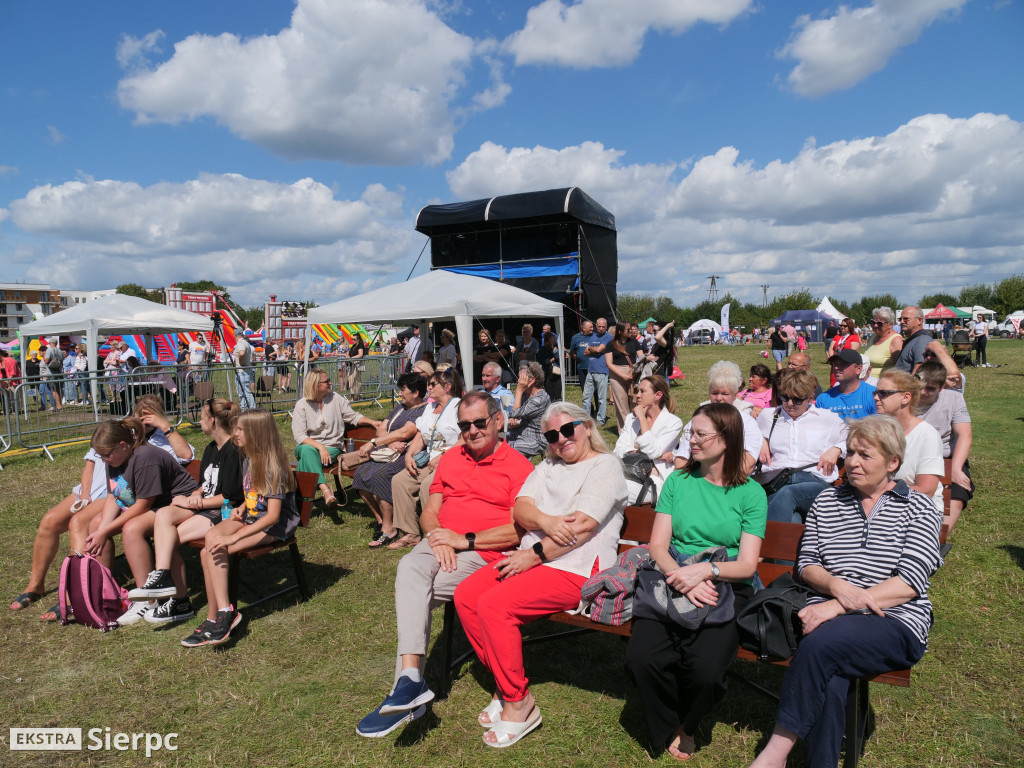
30 420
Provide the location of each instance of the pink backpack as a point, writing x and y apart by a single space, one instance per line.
88 587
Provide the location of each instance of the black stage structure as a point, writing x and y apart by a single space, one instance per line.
559 244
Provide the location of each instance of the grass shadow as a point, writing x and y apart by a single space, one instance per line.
1014 551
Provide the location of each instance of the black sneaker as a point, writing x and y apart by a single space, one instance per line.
171 610
158 584
227 620
201 635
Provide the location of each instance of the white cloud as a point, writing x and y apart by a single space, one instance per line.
6 170
133 52
56 137
361 81
838 52
235 230
861 215
608 33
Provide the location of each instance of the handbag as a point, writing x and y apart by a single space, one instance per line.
774 482
637 466
655 599
769 625
384 454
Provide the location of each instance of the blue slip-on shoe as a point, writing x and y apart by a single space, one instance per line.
375 724
407 694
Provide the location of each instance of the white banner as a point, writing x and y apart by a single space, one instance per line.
725 321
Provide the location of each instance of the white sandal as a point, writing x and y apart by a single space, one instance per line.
493 712
508 733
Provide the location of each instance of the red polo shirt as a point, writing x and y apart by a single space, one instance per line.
478 495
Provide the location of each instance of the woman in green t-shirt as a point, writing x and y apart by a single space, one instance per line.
680 673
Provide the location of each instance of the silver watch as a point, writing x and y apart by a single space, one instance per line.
714 572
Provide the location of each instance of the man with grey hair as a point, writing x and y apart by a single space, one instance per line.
490 378
597 370
916 340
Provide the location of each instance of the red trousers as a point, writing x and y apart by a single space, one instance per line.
493 610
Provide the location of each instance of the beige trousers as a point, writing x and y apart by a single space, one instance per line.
406 490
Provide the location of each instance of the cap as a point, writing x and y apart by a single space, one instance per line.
848 356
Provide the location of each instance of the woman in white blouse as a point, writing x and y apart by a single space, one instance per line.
571 507
652 428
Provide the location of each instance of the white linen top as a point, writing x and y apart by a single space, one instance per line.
447 433
660 438
799 442
597 488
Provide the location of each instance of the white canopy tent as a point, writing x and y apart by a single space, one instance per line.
113 315
826 308
440 296
710 325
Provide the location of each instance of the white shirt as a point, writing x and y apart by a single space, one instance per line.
197 353
242 352
800 442
663 436
923 457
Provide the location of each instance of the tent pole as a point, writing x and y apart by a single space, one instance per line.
560 326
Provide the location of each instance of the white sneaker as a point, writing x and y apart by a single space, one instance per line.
136 613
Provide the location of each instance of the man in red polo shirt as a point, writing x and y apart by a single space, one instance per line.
467 523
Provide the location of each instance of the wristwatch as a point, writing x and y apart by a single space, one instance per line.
470 541
373 441
168 431
714 572
538 548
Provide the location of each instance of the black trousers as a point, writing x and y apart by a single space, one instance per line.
679 673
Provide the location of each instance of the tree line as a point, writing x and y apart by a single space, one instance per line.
1003 297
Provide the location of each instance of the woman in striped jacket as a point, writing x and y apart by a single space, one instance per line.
869 550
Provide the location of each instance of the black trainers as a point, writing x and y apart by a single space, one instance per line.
158 584
200 636
172 609
227 620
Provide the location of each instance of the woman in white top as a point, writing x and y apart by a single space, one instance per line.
652 428
571 507
897 395
979 333
437 431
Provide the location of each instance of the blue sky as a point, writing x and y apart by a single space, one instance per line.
286 147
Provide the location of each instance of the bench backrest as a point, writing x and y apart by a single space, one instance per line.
305 485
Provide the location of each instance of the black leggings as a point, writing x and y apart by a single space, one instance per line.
980 342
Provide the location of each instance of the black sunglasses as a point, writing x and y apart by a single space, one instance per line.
478 423
567 430
794 400
881 394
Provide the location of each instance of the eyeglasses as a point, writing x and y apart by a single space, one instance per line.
904 319
878 322
881 394
698 437
567 430
478 423
107 456
794 400
325 381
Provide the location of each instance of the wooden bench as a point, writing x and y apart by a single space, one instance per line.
306 489
781 543
358 435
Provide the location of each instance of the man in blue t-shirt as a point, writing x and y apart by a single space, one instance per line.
850 398
597 370
578 348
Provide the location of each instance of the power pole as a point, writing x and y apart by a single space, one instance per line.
713 289
764 296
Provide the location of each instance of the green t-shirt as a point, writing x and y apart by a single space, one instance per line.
706 515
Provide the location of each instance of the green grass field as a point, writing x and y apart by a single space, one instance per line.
291 685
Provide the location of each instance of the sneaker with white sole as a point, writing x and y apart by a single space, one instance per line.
136 613
407 694
158 584
201 635
227 620
375 725
171 610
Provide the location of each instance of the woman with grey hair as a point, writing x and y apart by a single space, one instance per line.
871 613
571 509
886 342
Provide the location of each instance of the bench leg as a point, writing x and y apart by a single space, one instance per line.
233 580
300 571
447 644
856 721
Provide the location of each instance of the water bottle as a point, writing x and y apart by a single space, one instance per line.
225 510
350 446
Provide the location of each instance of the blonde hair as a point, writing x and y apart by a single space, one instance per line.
269 468
149 404
312 381
904 382
575 413
447 336
884 433
224 412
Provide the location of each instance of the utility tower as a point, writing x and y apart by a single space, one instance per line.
764 296
713 288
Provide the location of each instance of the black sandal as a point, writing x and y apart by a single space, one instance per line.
24 600
383 540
